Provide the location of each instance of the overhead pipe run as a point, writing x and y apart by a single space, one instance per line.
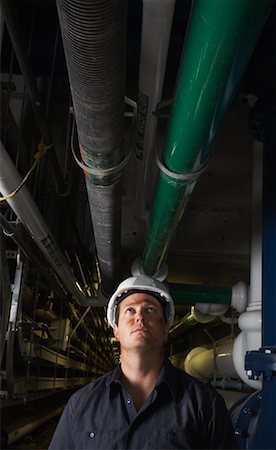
26 210
209 303
94 39
214 36
13 232
155 37
210 296
40 112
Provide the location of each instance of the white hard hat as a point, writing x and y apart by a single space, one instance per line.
141 283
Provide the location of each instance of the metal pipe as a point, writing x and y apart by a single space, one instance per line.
13 321
78 324
184 324
155 37
13 233
255 297
213 39
22 429
241 57
250 322
5 295
188 294
26 210
94 39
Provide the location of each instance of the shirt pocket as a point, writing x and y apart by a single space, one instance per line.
96 439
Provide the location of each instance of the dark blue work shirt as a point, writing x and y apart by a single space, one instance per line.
180 413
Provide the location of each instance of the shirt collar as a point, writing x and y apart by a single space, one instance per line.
167 376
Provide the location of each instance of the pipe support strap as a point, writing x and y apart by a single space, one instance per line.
101 172
190 177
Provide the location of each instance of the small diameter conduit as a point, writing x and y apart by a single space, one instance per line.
94 39
214 37
26 210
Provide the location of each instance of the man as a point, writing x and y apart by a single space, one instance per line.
145 403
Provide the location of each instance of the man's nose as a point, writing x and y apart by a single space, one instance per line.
140 317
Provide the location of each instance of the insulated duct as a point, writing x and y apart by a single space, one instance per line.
94 39
214 38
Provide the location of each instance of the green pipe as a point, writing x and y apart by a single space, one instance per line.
247 41
213 40
188 294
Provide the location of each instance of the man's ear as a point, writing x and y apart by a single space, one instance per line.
116 331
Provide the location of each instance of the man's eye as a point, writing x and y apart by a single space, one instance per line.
151 309
129 310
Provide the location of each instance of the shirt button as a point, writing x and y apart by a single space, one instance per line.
91 435
128 401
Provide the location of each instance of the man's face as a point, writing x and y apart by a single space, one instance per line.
141 322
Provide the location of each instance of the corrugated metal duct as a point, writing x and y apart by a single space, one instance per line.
94 39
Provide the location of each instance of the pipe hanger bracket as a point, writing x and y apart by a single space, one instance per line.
189 177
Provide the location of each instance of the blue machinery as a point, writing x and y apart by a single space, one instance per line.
255 425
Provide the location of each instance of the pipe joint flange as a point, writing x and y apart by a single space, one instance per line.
187 178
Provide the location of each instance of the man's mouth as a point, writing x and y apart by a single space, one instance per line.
140 330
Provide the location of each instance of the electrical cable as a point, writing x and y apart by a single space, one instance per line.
42 151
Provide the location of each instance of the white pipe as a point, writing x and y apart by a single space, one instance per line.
206 312
203 363
255 295
250 322
26 210
212 309
155 37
